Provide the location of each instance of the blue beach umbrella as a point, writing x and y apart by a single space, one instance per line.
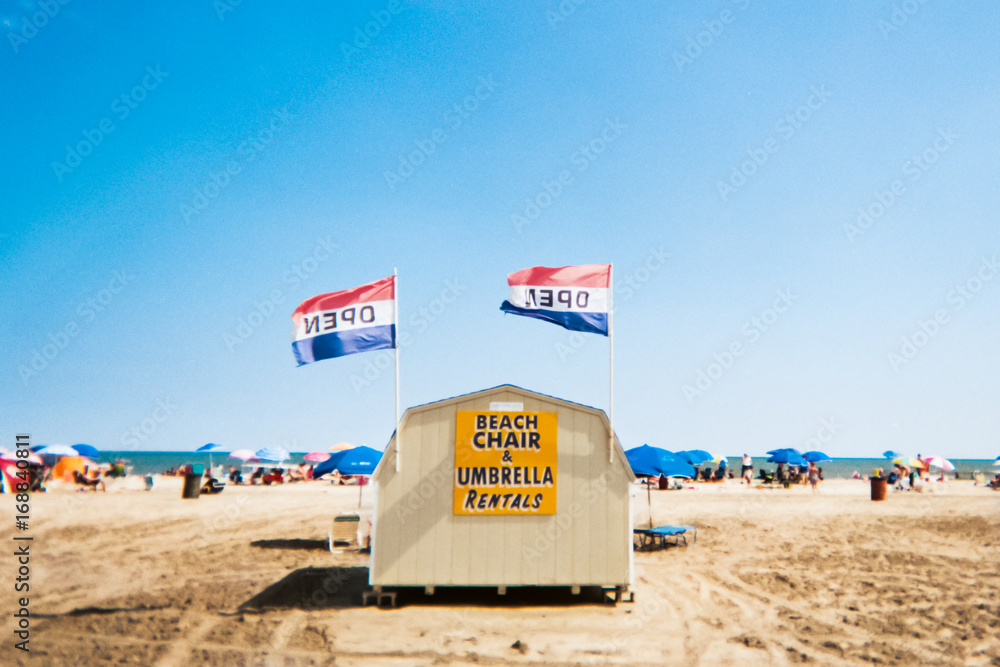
889 454
788 456
694 456
210 447
356 461
689 458
816 457
650 461
88 451
273 454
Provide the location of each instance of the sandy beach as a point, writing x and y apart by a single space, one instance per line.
777 576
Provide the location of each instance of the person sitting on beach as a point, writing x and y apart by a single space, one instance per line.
235 476
310 472
780 475
37 475
83 480
211 484
995 483
257 476
274 477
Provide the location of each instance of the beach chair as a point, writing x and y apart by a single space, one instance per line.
345 530
661 536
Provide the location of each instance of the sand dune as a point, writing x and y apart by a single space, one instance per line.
776 577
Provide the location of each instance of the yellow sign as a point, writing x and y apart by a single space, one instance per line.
505 463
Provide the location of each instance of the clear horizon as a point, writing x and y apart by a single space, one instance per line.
799 203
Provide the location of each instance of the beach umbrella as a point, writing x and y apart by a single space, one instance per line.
889 454
816 457
273 454
241 454
908 461
87 451
12 456
939 462
787 456
315 457
689 458
694 457
210 447
57 450
357 461
645 460
652 461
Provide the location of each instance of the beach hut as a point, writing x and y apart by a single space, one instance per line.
500 488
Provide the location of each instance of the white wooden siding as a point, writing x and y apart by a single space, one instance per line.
418 541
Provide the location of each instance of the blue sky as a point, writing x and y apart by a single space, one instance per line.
815 186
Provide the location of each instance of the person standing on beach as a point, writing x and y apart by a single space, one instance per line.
747 465
814 477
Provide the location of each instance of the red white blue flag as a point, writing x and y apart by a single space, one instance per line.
574 297
355 320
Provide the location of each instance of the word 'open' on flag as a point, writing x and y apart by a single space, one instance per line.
360 319
574 297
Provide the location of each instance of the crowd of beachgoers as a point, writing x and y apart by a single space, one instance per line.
900 478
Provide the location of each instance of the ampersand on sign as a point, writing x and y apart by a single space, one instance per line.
506 457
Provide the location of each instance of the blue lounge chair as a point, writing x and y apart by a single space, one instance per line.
662 534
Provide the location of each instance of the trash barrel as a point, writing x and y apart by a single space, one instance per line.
664 483
879 488
192 482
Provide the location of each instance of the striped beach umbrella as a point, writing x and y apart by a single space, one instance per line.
939 462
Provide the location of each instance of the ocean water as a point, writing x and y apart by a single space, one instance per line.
144 463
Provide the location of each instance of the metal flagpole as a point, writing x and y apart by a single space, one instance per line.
611 363
395 319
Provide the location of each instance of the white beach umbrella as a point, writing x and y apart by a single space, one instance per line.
939 462
57 450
